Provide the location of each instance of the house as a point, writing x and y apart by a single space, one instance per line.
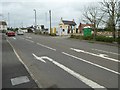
81 26
42 29
3 25
67 27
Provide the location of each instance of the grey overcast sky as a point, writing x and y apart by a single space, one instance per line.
21 11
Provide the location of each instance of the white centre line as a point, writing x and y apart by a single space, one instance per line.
91 63
29 37
30 40
101 56
87 81
105 51
46 46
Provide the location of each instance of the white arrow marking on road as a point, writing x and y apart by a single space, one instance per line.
103 55
89 82
38 58
100 55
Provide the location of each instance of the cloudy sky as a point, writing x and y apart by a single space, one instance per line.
21 12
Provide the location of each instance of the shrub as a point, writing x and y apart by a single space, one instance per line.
87 37
118 40
104 39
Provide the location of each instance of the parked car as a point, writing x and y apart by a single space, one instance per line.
20 32
10 33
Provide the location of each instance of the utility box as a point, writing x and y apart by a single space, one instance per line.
87 31
53 31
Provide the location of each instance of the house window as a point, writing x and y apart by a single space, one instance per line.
3 26
60 26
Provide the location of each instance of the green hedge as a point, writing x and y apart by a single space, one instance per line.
104 39
81 37
97 38
118 40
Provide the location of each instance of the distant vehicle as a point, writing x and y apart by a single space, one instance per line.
10 33
19 32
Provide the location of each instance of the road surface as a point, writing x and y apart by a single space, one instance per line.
14 73
67 63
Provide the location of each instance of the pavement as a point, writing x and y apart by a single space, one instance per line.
66 63
14 73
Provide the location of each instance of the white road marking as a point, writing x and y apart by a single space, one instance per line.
39 85
87 81
30 40
22 38
91 63
38 58
14 38
29 37
106 51
102 56
19 80
46 46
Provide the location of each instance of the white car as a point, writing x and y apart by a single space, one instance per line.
20 32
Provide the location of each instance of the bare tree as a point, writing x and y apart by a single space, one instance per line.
111 9
93 16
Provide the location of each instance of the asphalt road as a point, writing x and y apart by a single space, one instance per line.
67 63
14 73
0 61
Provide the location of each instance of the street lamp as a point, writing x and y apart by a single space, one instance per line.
50 19
8 19
35 19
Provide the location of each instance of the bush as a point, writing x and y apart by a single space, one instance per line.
104 39
76 36
118 40
87 37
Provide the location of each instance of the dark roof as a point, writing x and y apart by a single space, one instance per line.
69 22
3 23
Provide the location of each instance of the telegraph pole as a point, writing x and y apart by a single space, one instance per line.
50 19
46 18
